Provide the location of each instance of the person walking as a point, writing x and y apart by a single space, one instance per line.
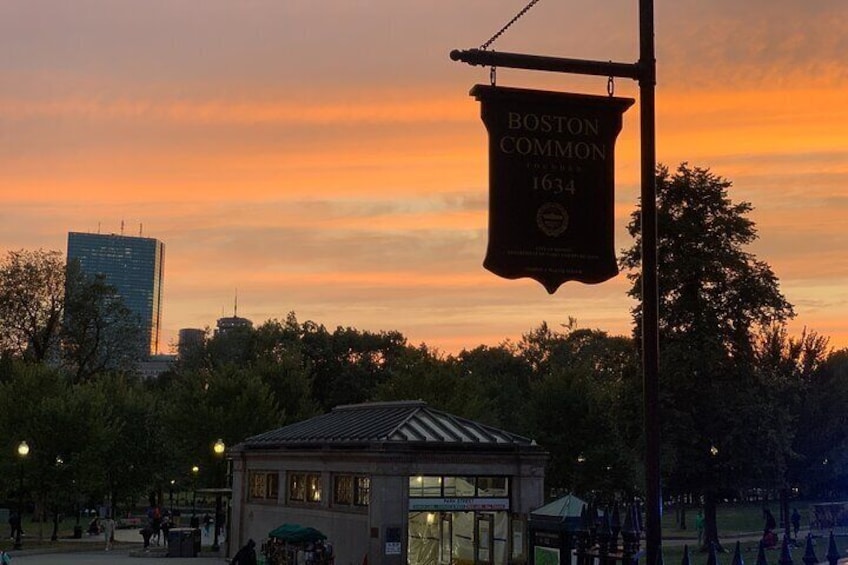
167 524
246 555
699 525
15 524
108 525
146 533
796 521
156 524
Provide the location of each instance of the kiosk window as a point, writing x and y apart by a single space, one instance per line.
425 486
297 487
304 487
458 487
343 490
351 490
492 486
263 485
363 491
313 488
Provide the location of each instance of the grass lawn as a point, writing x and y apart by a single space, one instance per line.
733 519
737 521
38 535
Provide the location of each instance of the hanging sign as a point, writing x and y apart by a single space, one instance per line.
551 184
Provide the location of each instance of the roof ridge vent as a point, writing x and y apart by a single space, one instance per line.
387 404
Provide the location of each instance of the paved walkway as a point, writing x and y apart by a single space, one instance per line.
119 557
128 550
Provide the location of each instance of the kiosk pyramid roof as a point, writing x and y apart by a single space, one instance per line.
568 506
404 422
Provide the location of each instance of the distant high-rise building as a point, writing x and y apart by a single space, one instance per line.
133 265
190 340
232 323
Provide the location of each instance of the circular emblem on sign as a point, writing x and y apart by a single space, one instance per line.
552 219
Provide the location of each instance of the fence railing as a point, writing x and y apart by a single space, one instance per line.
604 538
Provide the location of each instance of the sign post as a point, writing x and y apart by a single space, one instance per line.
645 72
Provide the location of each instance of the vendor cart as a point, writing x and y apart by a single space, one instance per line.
293 544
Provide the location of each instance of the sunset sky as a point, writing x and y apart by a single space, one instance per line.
325 157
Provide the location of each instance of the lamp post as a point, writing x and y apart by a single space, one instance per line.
577 481
171 496
23 451
219 449
55 535
194 471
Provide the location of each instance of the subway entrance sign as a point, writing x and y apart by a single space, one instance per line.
551 184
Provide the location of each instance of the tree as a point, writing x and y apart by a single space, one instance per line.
793 371
229 403
821 439
32 293
281 363
420 373
99 334
66 428
714 299
497 381
584 408
710 288
348 365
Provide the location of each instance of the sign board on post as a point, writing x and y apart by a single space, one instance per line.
551 184
393 543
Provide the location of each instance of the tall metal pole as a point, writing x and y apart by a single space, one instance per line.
18 544
215 545
650 294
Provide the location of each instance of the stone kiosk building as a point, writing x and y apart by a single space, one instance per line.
398 482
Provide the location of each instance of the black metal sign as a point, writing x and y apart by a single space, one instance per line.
551 184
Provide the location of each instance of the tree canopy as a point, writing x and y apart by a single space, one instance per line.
733 381
715 300
32 301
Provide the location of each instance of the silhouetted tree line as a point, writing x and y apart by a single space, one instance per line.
744 404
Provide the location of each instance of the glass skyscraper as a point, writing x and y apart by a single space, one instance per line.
133 265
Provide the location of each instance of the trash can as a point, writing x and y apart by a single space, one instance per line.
181 543
77 532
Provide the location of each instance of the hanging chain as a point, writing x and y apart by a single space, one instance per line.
508 25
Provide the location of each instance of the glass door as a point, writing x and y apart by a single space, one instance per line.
484 536
445 539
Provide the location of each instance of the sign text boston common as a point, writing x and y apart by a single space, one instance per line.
551 184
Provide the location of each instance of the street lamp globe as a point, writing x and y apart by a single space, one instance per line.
23 449
219 447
